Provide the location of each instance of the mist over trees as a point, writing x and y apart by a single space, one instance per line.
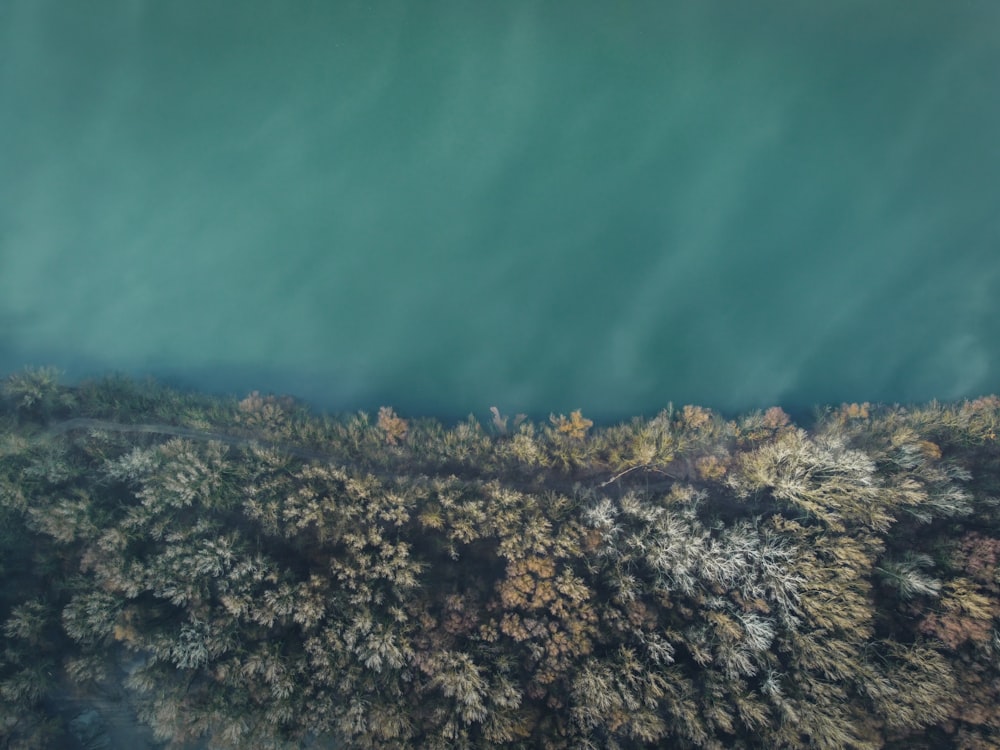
275 579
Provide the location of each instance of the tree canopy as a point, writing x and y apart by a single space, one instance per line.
276 578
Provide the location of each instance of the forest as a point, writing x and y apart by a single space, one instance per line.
252 574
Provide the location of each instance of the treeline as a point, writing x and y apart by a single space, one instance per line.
279 579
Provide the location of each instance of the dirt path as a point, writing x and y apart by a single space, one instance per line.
84 423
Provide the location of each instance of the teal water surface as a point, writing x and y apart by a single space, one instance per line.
449 205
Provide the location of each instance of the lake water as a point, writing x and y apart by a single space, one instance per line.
543 206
